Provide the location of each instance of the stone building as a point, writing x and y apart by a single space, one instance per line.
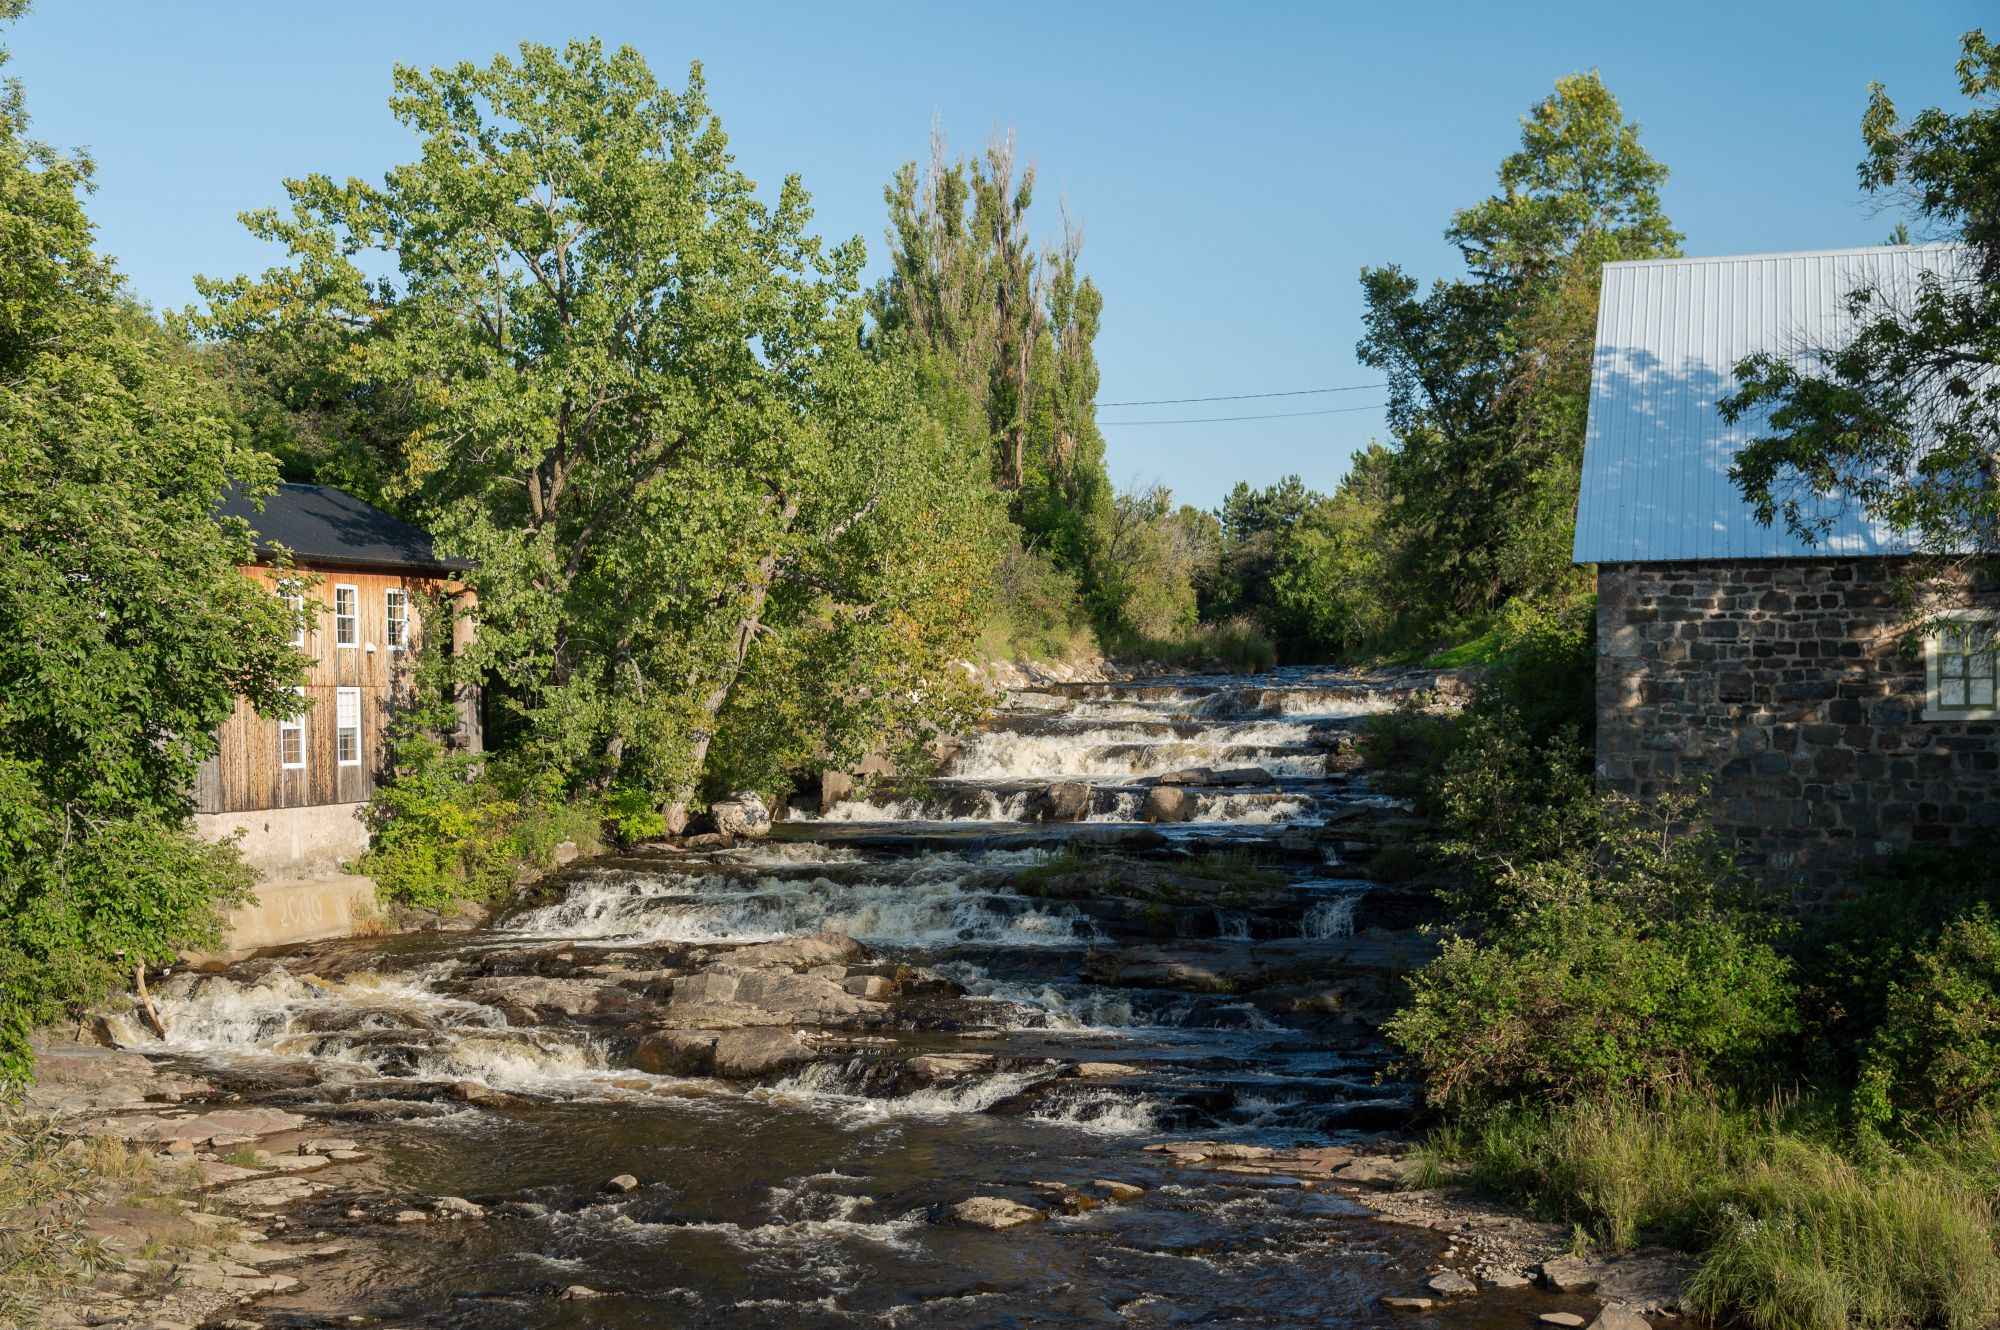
1779 673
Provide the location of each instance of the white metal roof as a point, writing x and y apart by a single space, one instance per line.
1670 332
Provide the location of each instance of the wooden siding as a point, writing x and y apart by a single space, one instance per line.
246 776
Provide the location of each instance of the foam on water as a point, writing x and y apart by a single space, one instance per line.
1111 751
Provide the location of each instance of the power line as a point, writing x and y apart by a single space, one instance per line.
1220 420
1244 397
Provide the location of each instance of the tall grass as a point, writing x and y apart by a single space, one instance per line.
1239 644
1799 1228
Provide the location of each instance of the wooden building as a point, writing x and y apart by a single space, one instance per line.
366 577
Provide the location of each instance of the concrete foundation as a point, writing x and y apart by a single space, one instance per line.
302 896
314 841
301 910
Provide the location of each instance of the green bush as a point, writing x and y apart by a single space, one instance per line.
1586 999
1239 644
1936 1054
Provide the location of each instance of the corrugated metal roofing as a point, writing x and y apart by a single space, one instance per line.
1670 332
319 522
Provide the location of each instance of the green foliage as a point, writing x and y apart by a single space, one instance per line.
1489 374
1900 421
1035 611
1936 1054
638 396
130 634
1235 644
1597 993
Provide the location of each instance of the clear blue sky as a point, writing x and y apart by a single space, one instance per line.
1235 165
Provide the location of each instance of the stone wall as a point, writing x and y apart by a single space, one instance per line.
1784 685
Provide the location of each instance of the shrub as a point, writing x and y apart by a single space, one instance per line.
1587 999
1936 1054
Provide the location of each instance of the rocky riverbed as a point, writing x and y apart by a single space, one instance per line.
1081 1032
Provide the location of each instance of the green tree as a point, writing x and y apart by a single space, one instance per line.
1012 327
127 632
638 397
1904 419
1489 374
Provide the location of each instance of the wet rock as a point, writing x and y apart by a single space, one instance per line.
1243 776
1168 803
873 987
413 1217
1188 776
326 1147
1569 1274
1065 801
1408 1304
799 953
457 1207
1119 1191
579 1293
759 1051
485 1096
930 1068
1451 1284
1106 1070
995 1212
565 852
676 1053
742 814
622 1184
726 996
1570 1319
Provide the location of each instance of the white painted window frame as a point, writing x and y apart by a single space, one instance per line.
352 622
393 599
342 699
1932 643
296 725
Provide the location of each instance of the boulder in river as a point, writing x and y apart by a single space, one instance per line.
750 1053
1064 801
834 786
1168 803
742 814
995 1212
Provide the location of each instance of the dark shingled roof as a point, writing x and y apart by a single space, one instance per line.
321 524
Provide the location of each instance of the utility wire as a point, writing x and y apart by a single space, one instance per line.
1220 420
1244 397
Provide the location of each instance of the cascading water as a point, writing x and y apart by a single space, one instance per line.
1064 987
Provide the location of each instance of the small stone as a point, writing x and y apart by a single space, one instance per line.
1505 1278
181 1147
1451 1284
1408 1304
413 1217
579 1293
326 1147
623 1183
1570 1319
457 1207
1119 1191
356 1212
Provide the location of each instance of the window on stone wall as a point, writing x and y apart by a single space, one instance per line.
1963 665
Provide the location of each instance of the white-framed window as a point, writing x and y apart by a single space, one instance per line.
396 605
292 739
293 593
346 615
347 726
1962 667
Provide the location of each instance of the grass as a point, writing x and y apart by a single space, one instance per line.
1798 1227
1481 650
46 1184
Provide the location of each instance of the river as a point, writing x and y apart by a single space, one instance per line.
1038 1032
